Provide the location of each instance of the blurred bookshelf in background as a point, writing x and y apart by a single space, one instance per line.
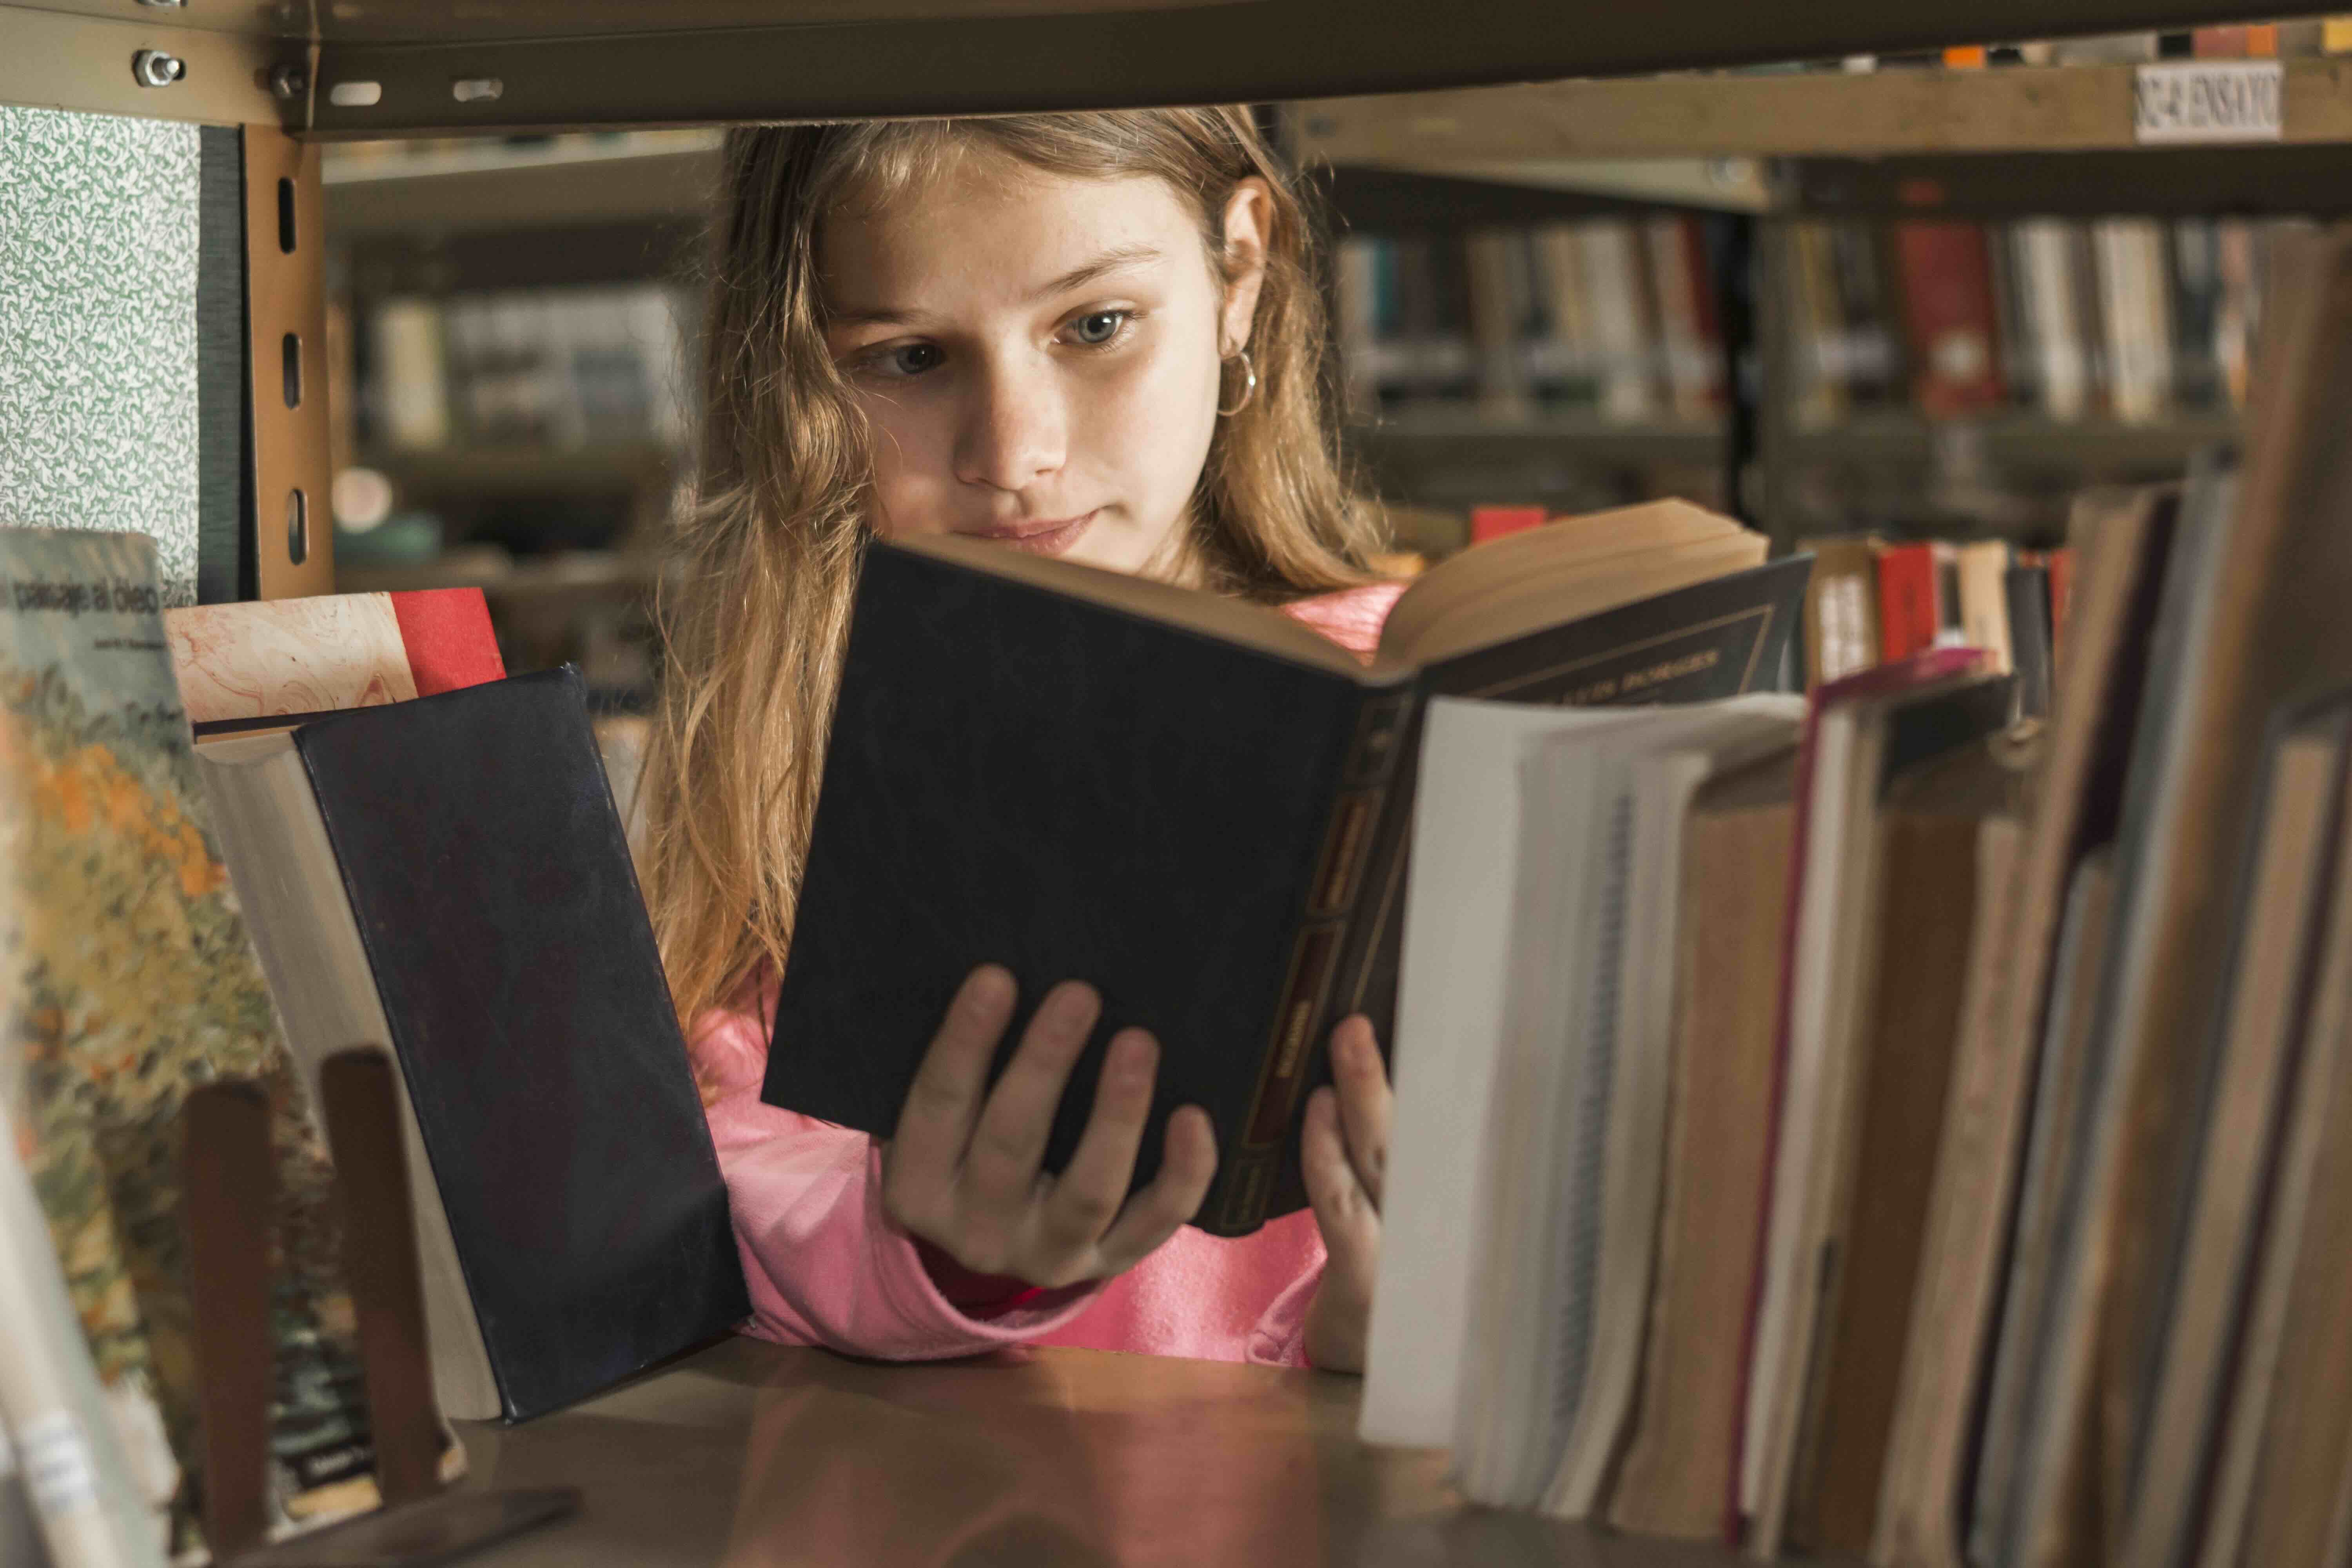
1941 376
514 322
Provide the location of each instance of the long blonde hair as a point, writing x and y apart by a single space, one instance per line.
752 625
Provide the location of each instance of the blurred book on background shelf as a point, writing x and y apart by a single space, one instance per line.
2133 320
1610 318
2128 319
565 368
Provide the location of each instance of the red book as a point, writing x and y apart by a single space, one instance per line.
2061 563
1910 598
1495 522
1950 320
267 663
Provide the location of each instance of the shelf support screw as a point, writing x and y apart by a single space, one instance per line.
154 67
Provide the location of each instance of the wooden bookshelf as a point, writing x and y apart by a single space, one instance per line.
2076 450
1809 113
571 574
2313 179
625 467
1053 1458
1896 141
645 176
2008 441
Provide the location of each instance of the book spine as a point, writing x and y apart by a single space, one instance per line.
1335 901
1907 601
1950 316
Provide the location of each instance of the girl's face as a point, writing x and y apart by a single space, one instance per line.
1038 355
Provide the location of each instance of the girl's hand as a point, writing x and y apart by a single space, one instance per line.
1344 1157
962 1169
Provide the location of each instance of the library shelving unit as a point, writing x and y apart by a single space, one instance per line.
297 74
1899 143
438 219
1750 152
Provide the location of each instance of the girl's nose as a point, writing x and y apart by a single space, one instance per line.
1014 430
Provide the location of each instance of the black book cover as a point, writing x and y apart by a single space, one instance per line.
488 871
1022 778
1209 835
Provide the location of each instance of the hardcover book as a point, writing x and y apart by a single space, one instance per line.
448 878
1676 1466
1192 803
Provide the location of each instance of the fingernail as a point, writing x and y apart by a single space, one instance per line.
988 986
1069 1004
1133 1056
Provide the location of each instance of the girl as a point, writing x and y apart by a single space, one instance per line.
1096 336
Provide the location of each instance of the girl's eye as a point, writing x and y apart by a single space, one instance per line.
912 359
1097 328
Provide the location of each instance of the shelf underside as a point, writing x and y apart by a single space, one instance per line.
503 64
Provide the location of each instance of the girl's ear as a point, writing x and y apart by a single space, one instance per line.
1248 226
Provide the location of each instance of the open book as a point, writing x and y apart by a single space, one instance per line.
1192 803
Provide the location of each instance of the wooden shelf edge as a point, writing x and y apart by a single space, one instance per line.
2043 109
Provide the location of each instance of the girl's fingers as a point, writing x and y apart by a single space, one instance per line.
1086 1197
1188 1163
945 1098
1343 1210
1367 1104
1000 1168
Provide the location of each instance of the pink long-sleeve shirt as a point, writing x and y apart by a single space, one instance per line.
827 1267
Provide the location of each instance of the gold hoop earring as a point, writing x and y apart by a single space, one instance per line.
1249 386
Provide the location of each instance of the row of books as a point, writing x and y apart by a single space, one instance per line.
1895 1131
565 367
1873 601
2262 40
2133 319
1614 318
240 841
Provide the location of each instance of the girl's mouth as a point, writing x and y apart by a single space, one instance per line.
1040 536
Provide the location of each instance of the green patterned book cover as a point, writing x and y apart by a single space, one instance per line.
129 979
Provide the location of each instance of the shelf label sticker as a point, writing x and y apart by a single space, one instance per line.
2178 101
